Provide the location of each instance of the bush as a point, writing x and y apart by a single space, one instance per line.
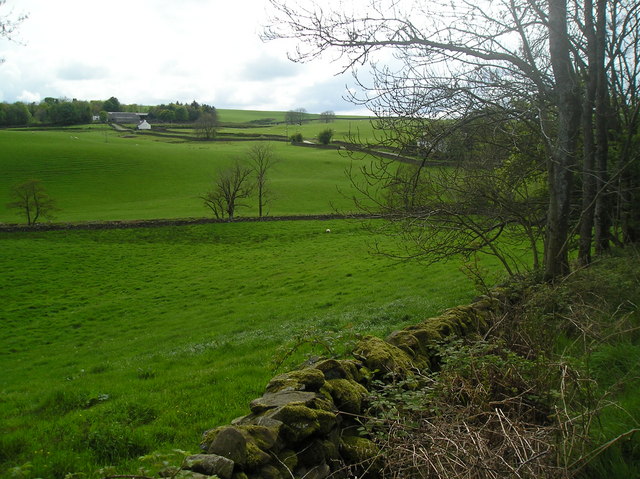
296 138
324 137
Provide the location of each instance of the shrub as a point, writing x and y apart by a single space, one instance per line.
324 137
296 138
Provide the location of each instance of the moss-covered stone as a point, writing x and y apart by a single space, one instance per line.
358 450
281 398
301 422
347 394
270 472
228 442
255 457
307 379
415 342
239 475
210 464
381 356
340 369
245 445
327 421
266 438
289 458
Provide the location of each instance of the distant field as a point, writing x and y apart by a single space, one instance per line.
98 174
116 343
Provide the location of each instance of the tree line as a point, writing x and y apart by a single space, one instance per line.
60 111
533 105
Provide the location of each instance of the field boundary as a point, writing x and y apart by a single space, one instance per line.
154 223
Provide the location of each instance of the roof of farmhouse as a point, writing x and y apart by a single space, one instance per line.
125 116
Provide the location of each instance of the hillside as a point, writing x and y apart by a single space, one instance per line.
95 173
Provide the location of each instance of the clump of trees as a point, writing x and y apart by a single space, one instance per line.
546 91
32 201
296 117
206 126
181 112
327 116
49 111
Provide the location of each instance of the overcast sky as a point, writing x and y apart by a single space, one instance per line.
158 51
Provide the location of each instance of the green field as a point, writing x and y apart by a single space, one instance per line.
118 343
96 173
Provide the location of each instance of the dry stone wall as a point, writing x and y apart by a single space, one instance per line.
305 424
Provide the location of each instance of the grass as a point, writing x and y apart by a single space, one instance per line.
102 175
117 343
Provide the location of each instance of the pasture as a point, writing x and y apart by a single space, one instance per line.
118 343
96 173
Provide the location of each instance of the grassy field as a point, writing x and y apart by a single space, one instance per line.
95 173
117 343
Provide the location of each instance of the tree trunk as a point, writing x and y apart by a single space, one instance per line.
588 147
602 219
563 158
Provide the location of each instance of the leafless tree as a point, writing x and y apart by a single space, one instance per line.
230 186
32 201
9 22
452 60
261 159
327 116
296 117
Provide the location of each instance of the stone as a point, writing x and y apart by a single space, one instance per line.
340 369
301 422
307 379
270 472
210 464
347 395
382 357
321 471
288 458
229 442
281 398
362 453
189 475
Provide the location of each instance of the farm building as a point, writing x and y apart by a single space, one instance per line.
144 125
125 117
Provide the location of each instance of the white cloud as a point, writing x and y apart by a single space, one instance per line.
158 51
29 97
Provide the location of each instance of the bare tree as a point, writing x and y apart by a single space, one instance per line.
32 201
451 61
623 52
9 23
261 160
229 187
296 117
327 116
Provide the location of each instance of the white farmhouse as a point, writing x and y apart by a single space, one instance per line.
144 125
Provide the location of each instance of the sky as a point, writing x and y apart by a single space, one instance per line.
150 52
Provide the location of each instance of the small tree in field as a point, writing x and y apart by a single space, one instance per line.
261 159
324 137
207 125
229 187
32 201
327 116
